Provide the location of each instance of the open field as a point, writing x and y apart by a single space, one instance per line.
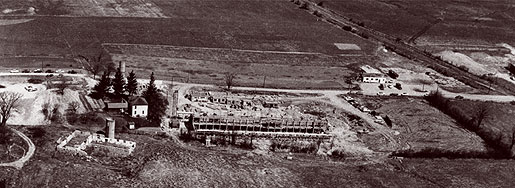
208 65
253 25
422 126
462 22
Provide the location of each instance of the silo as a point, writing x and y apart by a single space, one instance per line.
110 125
122 67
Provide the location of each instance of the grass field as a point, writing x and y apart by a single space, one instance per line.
463 22
202 65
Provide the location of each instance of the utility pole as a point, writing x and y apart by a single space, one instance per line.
264 81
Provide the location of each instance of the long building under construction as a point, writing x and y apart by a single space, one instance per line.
257 127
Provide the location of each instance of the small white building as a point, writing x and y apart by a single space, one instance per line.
138 107
373 78
199 96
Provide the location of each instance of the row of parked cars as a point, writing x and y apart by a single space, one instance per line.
36 71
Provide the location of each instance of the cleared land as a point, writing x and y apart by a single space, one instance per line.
422 126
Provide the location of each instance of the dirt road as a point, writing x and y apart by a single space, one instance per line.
18 164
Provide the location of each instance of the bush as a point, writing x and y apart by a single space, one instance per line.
440 153
35 81
5 135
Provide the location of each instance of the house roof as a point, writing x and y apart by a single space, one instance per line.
219 94
369 69
372 75
138 101
116 103
199 94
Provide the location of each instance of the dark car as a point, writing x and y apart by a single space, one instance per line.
25 71
459 97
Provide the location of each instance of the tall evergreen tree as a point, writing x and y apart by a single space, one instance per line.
132 83
157 103
119 83
102 88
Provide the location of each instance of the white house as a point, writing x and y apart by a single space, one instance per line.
373 78
138 107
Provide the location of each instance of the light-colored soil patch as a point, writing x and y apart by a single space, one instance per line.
115 8
13 21
345 46
459 59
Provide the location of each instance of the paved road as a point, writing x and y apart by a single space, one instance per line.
18 164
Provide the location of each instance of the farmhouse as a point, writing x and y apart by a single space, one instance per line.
138 107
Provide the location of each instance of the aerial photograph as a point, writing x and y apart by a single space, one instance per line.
257 93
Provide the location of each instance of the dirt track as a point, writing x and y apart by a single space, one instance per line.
18 164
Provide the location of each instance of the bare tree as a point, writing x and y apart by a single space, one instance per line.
229 79
94 65
61 84
46 109
8 101
74 106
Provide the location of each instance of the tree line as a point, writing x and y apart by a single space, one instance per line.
126 88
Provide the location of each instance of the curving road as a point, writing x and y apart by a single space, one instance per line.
18 164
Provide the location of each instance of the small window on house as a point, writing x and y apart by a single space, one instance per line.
143 112
135 106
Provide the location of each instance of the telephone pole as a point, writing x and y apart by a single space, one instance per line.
264 81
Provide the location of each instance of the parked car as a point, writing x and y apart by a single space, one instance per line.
394 94
31 89
14 71
404 94
59 71
25 71
49 71
38 71
459 97
380 93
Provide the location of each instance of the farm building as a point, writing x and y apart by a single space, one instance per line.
373 78
116 105
138 107
369 69
271 104
199 96
143 84
219 97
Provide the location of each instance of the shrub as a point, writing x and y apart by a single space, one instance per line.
5 135
35 80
